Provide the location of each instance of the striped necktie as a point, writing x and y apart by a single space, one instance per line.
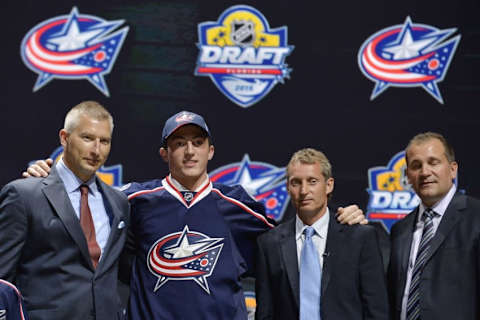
310 279
413 302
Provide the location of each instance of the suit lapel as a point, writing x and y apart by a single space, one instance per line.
404 240
333 247
115 210
450 218
56 194
290 259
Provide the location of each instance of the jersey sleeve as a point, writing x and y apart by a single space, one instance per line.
247 220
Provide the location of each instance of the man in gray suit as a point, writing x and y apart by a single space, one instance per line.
61 236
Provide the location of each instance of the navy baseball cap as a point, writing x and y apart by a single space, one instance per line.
180 119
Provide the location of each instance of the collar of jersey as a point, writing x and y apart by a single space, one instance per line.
174 188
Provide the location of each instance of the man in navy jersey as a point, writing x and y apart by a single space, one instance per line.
192 239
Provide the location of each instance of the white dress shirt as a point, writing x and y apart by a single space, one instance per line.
319 238
439 208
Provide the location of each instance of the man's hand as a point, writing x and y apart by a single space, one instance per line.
351 215
41 168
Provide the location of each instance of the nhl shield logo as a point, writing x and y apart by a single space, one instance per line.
73 47
242 55
408 55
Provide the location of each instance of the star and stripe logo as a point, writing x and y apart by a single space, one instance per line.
185 255
72 47
408 55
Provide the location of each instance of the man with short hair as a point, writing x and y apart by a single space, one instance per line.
193 240
312 267
434 268
62 235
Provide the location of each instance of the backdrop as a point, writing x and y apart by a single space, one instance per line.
320 97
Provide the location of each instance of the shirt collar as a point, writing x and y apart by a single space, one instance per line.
320 226
441 206
71 181
180 187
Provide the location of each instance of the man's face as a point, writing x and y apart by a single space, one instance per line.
187 154
308 189
429 171
86 148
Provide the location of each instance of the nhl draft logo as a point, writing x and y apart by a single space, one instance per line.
111 175
265 182
74 46
186 255
242 55
408 55
391 196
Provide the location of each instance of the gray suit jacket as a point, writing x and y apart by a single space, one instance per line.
353 281
44 252
450 281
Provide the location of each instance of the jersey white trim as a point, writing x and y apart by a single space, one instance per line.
204 190
244 207
146 191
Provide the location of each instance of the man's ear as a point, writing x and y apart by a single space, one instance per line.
329 185
163 153
63 135
211 152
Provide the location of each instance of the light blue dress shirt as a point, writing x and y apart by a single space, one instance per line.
95 202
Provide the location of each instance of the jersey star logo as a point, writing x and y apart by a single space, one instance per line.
186 255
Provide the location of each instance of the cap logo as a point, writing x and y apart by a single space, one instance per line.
184 117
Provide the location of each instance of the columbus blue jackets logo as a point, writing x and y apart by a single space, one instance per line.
242 55
408 55
111 175
391 196
185 255
265 182
74 46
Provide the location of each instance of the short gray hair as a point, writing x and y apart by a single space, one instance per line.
91 109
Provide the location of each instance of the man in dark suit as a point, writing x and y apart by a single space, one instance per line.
61 236
434 271
351 283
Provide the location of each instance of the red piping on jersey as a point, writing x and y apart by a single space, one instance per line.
139 193
19 296
244 207
181 195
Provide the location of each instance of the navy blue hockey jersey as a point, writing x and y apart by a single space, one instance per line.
11 303
191 250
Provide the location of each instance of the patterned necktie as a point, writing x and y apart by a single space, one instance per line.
86 222
413 302
310 279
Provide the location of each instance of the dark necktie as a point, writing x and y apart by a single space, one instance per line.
310 279
413 301
86 222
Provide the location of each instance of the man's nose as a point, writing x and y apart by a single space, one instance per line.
189 147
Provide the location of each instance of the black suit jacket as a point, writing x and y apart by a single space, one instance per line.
353 281
44 252
450 281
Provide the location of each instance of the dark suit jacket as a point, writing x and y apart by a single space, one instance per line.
353 280
44 252
450 281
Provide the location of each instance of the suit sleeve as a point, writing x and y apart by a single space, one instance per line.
13 231
372 279
263 288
